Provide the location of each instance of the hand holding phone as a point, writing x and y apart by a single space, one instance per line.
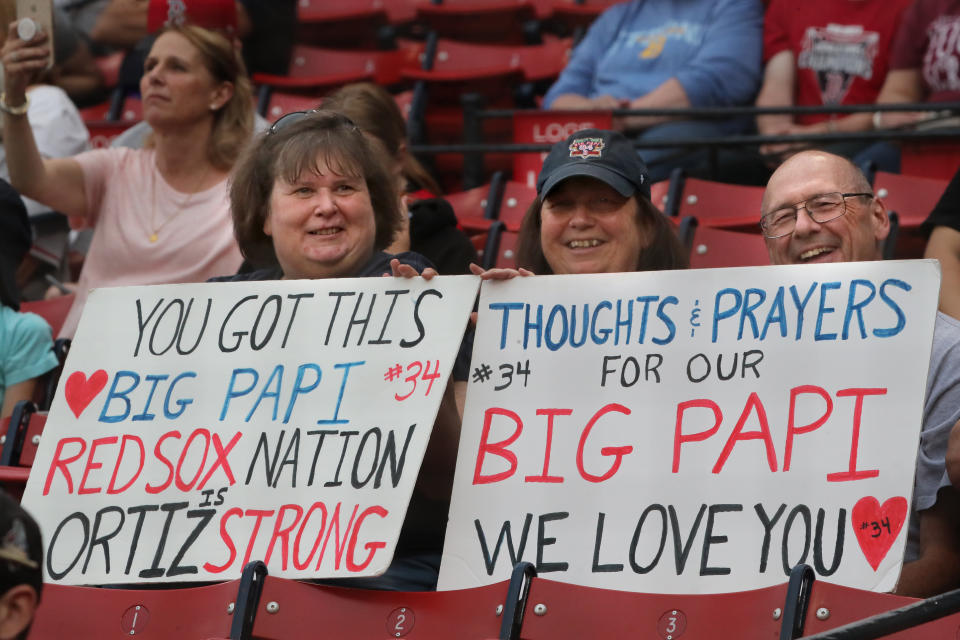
33 18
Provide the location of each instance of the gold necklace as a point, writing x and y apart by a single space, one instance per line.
155 230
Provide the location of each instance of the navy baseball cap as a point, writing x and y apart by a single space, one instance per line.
605 155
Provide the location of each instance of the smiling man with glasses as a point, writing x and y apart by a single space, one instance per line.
818 207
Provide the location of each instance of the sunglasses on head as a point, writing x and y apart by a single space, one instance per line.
288 119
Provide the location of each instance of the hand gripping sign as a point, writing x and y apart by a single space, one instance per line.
201 426
694 431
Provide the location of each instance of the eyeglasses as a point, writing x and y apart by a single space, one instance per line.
288 119
821 208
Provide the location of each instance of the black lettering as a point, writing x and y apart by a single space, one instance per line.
597 567
183 327
142 324
155 571
390 452
680 552
175 568
515 554
768 524
543 541
636 539
394 293
141 512
818 563
710 539
799 510
97 540
406 344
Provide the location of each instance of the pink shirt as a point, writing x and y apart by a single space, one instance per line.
127 202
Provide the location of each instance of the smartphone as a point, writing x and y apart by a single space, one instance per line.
40 12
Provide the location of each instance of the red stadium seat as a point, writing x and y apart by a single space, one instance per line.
341 23
716 204
912 198
321 70
711 247
930 158
280 103
152 614
504 21
54 310
517 198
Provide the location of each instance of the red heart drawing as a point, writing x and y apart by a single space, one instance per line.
876 526
81 390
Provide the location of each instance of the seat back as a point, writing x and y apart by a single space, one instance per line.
54 310
912 197
711 247
503 21
148 614
717 204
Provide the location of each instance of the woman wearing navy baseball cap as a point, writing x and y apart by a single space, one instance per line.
593 213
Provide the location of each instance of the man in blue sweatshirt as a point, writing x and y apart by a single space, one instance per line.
667 54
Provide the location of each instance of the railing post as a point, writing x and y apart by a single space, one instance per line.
472 134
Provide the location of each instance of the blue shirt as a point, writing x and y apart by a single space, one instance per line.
712 47
26 348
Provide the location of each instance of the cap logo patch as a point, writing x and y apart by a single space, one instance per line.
586 148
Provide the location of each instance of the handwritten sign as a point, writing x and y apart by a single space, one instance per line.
694 432
202 426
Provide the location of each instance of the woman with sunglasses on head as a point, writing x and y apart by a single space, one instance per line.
313 198
159 214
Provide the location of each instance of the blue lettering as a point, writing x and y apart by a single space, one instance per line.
825 288
854 306
901 319
182 404
777 315
671 327
236 394
719 315
505 307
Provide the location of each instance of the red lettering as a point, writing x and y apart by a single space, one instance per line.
763 433
545 475
227 540
792 429
159 455
112 488
338 543
371 547
316 543
679 437
91 465
853 473
184 486
497 448
61 463
617 452
221 460
282 534
260 514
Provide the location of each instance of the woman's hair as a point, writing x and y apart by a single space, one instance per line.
233 122
662 251
376 112
319 137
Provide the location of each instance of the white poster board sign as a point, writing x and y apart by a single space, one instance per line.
201 426
693 431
